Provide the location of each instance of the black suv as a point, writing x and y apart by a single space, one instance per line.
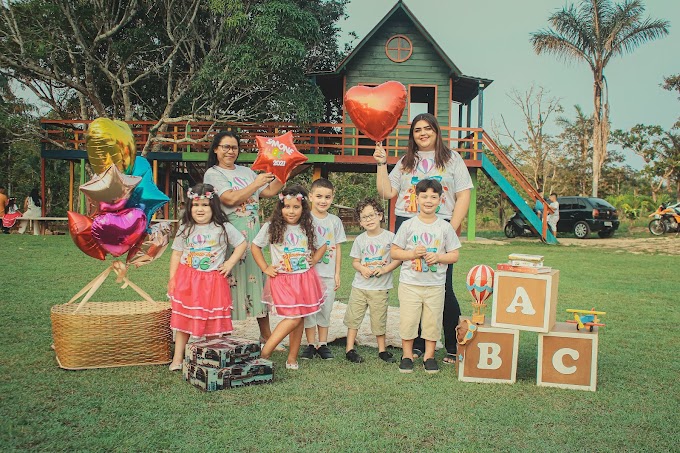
581 215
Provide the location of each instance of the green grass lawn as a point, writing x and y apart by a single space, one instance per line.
336 405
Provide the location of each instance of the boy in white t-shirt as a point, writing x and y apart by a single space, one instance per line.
329 227
372 281
427 245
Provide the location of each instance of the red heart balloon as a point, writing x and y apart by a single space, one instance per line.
278 155
376 110
80 228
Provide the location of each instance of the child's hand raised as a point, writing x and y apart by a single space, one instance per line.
270 271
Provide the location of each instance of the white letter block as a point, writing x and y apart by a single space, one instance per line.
567 358
525 301
491 355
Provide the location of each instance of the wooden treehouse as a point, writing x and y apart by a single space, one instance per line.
397 48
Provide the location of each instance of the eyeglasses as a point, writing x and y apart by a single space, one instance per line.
366 218
228 147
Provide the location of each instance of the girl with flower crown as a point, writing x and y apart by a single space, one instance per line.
199 268
293 287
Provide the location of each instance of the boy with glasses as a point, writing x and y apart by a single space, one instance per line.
372 281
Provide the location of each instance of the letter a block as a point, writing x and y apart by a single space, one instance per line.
525 301
491 356
567 358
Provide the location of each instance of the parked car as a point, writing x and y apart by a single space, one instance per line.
581 215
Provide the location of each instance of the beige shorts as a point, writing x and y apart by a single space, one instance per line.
422 305
359 301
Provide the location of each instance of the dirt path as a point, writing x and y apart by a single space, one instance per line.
664 245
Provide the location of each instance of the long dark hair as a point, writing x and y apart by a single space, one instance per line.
212 157
442 154
35 196
277 226
218 216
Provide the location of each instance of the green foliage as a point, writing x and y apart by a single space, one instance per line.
336 405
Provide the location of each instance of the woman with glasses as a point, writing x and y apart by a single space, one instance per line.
427 157
240 189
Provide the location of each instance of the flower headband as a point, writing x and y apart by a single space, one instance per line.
191 194
299 196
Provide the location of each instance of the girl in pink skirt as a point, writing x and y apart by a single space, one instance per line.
199 268
293 287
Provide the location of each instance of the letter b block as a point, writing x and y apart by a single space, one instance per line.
525 301
567 358
491 356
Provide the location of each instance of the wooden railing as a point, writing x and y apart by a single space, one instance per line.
317 138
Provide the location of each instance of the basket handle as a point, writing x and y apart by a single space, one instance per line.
120 270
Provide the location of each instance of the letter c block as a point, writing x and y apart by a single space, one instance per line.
491 356
567 358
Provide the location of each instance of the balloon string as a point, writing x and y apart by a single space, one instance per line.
386 185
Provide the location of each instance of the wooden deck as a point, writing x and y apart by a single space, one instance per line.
329 143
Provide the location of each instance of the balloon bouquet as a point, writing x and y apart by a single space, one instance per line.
122 199
480 285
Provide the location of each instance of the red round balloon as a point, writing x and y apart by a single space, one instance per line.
278 155
80 227
376 110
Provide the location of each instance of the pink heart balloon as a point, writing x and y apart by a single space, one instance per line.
117 232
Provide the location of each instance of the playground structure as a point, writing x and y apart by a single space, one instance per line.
397 48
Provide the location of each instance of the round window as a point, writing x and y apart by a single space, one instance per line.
398 48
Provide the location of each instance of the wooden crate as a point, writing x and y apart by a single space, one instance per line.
567 358
491 356
525 301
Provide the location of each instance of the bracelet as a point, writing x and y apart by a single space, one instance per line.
380 164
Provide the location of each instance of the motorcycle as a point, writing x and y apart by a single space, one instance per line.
666 219
517 226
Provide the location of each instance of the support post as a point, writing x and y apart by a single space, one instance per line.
472 209
71 182
43 205
81 196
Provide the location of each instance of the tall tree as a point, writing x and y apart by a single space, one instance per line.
594 32
661 151
534 149
574 161
169 60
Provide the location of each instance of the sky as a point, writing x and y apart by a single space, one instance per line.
490 39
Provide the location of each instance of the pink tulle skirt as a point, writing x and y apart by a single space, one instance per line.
201 303
9 220
294 295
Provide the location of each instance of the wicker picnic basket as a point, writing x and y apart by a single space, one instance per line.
111 334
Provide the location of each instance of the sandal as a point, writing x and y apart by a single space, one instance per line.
279 347
449 358
292 366
417 353
174 367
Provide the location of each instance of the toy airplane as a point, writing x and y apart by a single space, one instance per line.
586 318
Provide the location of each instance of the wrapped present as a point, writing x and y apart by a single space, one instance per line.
222 352
254 372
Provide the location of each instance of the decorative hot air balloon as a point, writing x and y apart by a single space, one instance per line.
480 285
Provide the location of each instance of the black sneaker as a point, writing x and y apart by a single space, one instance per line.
324 352
353 356
387 357
406 365
431 366
309 352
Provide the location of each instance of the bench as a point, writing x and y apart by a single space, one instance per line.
43 221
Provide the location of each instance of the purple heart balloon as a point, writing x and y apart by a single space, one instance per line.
117 232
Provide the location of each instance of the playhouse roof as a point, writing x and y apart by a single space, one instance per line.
455 72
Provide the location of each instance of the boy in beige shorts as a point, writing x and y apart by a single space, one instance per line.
372 280
427 245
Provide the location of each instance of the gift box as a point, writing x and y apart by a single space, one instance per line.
222 352
253 372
